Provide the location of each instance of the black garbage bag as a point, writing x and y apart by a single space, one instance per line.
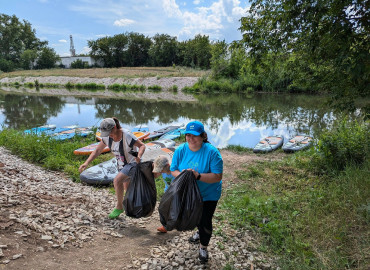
141 195
181 205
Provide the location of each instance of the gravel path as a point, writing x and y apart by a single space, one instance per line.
46 218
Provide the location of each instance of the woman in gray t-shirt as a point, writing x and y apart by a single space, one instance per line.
122 143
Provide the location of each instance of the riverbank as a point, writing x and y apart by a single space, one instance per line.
166 84
271 204
50 222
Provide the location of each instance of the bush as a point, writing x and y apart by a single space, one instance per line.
347 143
6 65
30 84
174 88
69 85
155 87
78 63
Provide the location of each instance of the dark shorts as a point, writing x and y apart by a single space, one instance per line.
128 169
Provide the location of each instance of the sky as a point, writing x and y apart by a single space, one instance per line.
55 20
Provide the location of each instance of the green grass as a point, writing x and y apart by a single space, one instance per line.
51 154
56 155
309 221
239 149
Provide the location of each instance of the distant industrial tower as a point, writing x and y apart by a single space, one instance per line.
72 48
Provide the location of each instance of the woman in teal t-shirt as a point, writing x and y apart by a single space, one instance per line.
199 156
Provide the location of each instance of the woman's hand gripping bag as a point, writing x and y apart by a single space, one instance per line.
141 195
181 205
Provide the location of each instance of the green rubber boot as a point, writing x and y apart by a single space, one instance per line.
115 213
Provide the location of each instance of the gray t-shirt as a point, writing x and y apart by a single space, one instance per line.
128 144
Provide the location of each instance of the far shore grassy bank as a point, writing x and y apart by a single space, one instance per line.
123 72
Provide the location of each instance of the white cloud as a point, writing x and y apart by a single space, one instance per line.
62 41
219 19
212 20
171 8
102 35
85 50
123 22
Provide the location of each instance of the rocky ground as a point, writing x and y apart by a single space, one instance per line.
49 222
165 94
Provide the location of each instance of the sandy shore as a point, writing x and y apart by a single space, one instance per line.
165 94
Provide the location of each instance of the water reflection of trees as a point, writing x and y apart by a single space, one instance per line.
301 113
297 113
304 113
29 111
140 111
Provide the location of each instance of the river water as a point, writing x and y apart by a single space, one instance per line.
229 119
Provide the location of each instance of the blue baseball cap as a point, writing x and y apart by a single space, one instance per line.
194 127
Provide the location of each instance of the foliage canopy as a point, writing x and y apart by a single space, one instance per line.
327 41
19 46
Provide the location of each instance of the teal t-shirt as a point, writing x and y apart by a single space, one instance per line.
206 160
167 178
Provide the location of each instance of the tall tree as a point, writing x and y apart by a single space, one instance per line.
328 39
47 58
137 53
119 48
17 37
163 50
102 49
195 52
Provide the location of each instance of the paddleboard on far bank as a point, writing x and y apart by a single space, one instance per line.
138 134
162 131
297 143
140 128
268 144
176 133
68 134
87 150
40 130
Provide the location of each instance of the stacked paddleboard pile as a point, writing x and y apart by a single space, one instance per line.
60 134
174 134
40 130
104 173
164 131
141 132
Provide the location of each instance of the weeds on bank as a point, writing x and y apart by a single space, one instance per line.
126 87
56 155
155 88
311 222
86 86
239 149
311 219
49 153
